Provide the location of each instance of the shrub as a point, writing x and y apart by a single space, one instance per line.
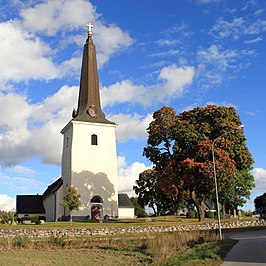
248 213
57 241
209 214
20 242
221 215
33 219
191 214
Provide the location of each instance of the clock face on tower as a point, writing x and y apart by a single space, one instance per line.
92 112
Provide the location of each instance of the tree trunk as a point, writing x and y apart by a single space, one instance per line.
201 212
155 213
71 220
223 209
199 205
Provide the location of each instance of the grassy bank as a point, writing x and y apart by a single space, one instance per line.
176 248
210 254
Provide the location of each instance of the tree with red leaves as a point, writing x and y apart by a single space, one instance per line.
180 148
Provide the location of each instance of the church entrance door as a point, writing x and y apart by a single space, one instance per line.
96 212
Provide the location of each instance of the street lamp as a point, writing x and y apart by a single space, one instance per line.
215 180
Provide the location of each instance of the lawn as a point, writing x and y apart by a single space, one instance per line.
155 221
142 253
71 257
175 248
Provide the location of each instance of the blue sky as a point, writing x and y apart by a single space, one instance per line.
150 53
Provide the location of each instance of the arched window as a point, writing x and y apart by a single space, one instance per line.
94 140
96 199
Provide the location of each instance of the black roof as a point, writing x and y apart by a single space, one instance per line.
124 201
30 204
53 187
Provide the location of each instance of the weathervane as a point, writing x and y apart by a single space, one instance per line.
90 26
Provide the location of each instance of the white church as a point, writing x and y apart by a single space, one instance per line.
89 159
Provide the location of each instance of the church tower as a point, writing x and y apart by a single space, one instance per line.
89 161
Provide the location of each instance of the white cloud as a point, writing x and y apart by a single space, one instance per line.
208 1
16 110
173 82
237 28
225 28
260 187
7 203
14 133
167 53
19 182
53 16
127 91
106 47
109 41
131 126
23 56
255 40
222 103
214 54
167 42
47 141
34 130
52 115
70 67
215 62
250 113
260 180
22 170
58 105
182 29
128 174
56 16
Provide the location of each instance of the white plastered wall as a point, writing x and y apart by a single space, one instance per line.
92 169
49 206
126 213
53 205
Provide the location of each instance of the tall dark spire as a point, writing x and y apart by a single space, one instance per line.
89 103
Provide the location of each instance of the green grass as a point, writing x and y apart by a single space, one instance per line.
155 221
202 254
164 249
158 221
176 248
70 257
135 250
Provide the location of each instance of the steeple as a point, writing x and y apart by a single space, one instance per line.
89 103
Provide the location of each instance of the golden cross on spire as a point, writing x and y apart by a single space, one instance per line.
90 26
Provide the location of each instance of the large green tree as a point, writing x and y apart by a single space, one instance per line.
180 147
156 192
260 204
159 188
139 211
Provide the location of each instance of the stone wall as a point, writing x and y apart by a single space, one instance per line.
77 232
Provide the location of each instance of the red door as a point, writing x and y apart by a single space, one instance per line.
96 212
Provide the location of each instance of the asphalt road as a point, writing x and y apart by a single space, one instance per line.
250 249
